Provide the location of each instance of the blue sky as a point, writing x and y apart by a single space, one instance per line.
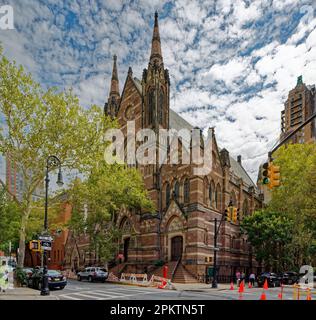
231 62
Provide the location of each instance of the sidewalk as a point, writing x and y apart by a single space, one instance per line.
24 294
200 286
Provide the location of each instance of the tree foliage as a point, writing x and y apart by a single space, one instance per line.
40 123
107 190
290 217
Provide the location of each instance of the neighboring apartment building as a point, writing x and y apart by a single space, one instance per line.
299 106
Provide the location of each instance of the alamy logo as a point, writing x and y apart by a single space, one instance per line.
6 18
165 147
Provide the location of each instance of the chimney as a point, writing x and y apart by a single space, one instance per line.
239 159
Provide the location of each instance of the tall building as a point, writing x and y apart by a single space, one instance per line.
299 106
181 232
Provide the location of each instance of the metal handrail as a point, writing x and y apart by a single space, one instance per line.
175 268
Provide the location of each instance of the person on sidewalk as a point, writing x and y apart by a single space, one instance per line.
252 279
4 277
238 278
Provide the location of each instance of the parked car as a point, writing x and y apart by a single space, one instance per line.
93 274
28 272
272 278
289 277
55 279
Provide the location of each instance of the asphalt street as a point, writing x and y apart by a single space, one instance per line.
108 291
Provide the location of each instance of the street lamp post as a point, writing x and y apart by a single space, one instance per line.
52 161
216 232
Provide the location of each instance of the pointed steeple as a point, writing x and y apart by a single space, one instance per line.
155 44
111 107
114 91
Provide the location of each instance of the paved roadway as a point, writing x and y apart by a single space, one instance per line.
108 291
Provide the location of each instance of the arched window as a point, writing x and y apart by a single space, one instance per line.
210 193
176 191
218 197
167 195
151 106
245 208
233 198
160 111
186 190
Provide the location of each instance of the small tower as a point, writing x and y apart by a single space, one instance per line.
156 85
111 107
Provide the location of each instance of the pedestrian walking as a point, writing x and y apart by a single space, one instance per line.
252 278
238 278
4 277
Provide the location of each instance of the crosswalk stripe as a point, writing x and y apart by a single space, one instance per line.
87 295
135 290
108 292
69 297
105 295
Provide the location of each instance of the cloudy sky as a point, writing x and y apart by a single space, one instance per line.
231 62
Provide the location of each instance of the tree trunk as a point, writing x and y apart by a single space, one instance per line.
24 220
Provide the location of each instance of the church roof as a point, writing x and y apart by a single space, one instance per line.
177 122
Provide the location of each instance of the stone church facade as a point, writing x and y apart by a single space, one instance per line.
186 204
182 228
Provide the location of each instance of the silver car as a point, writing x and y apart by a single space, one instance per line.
93 274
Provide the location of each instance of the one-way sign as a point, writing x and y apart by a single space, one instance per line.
46 245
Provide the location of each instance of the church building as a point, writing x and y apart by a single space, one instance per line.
181 233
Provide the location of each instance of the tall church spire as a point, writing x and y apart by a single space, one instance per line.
155 44
111 107
114 91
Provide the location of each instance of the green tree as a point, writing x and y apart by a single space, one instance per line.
40 123
296 197
270 234
107 190
290 217
10 218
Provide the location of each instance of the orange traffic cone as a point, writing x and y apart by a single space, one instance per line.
265 286
241 287
280 295
249 285
309 296
231 286
263 296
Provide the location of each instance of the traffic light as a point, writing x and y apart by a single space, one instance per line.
235 216
266 173
228 214
274 176
35 245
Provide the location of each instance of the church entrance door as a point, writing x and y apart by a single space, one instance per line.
176 248
126 245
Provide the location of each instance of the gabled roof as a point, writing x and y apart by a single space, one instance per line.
178 123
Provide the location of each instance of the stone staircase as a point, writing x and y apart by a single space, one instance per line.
183 276
159 271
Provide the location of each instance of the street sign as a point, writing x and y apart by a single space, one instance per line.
45 238
46 245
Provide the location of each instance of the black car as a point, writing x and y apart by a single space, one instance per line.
289 277
55 279
272 278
